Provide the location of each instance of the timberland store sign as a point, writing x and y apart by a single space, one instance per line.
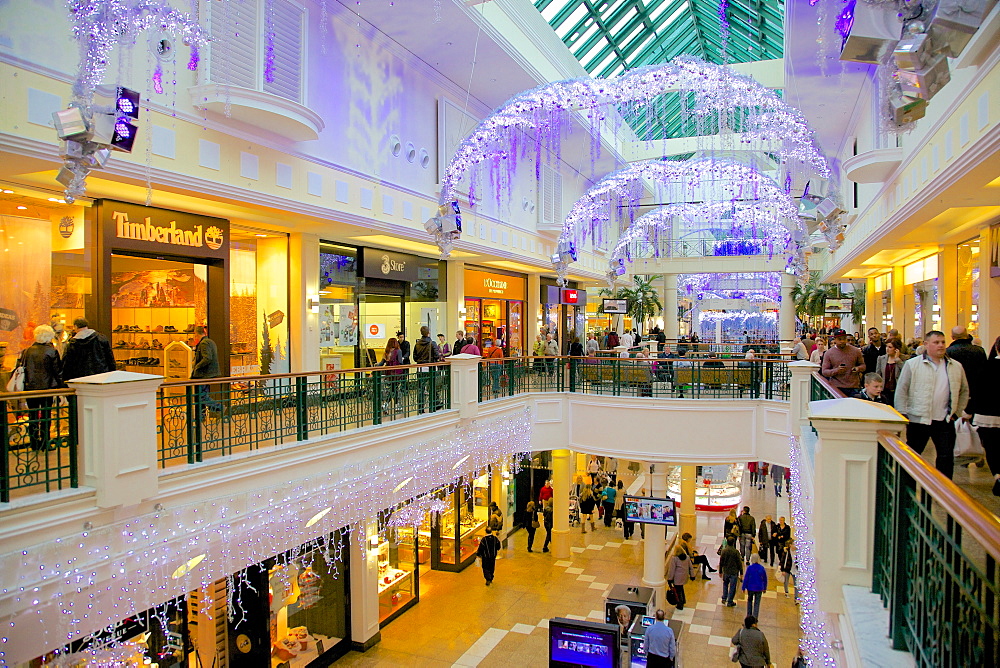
133 227
495 286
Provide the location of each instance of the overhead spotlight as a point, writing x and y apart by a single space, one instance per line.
124 135
69 123
127 102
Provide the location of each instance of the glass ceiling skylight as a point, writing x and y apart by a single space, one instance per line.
610 36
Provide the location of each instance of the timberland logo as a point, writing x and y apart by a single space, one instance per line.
170 234
389 265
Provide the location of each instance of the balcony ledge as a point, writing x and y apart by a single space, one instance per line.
873 166
263 110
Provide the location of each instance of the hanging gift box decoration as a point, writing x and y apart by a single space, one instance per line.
870 32
954 22
913 52
926 82
906 109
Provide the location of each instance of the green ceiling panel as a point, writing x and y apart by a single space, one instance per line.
610 36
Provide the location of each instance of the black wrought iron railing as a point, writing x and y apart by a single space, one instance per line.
675 378
197 420
935 562
39 442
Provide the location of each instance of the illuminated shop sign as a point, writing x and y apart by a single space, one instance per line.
389 265
134 227
495 286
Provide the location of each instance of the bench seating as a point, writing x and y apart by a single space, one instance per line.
687 375
632 374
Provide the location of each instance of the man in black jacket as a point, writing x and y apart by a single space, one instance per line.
206 365
875 348
425 351
87 353
973 360
404 347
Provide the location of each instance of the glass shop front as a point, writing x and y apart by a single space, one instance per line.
563 312
494 309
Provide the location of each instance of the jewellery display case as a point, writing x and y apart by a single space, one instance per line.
398 574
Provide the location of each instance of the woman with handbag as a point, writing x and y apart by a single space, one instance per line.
750 648
392 356
678 573
587 504
42 371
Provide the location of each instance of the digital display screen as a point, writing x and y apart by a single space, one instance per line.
616 306
647 621
577 645
650 511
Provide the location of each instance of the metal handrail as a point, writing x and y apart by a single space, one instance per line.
36 394
956 502
297 374
835 391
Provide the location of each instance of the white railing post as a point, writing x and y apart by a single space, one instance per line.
118 436
465 384
844 492
799 394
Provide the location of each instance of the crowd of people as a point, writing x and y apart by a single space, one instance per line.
940 388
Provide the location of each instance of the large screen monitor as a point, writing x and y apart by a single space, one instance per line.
616 306
650 511
575 643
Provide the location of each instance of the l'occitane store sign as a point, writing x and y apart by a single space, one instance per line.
134 227
496 286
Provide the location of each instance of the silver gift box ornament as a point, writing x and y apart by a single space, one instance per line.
906 109
912 53
925 83
954 22
69 123
874 33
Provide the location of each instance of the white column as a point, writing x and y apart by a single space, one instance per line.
844 492
364 591
456 298
561 480
948 289
786 312
465 384
531 323
303 325
655 544
988 309
117 453
800 393
689 514
670 326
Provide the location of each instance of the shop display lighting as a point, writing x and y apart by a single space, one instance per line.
234 532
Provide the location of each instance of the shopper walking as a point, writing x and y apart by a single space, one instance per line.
987 415
661 645
489 548
764 539
679 571
587 505
42 371
547 522
888 366
789 567
404 347
731 567
551 352
206 365
754 584
933 392
748 531
777 477
531 523
494 356
730 526
608 496
751 645
752 469
87 353
781 533
843 363
470 347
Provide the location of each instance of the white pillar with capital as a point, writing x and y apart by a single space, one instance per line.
786 312
670 326
655 544
844 492
561 480
800 394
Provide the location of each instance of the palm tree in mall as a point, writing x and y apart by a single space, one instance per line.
643 300
860 297
810 297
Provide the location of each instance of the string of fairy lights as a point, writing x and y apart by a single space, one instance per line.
77 584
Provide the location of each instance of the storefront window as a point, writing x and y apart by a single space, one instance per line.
968 285
427 300
494 309
456 532
258 302
398 572
338 316
47 275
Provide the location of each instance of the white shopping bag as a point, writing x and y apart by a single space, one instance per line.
967 443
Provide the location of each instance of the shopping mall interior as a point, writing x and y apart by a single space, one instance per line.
450 332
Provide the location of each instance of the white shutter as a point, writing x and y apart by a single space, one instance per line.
235 31
550 210
288 29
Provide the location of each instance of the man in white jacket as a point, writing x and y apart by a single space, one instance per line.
932 392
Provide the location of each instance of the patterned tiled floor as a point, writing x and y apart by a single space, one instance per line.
461 622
